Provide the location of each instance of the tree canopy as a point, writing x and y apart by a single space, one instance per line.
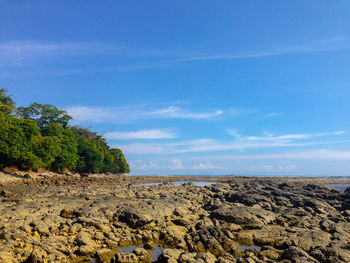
7 105
44 114
39 137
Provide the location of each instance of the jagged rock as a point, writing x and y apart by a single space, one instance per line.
104 255
37 256
297 255
169 256
132 217
142 254
126 258
245 216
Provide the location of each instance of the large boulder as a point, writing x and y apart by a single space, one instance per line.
248 217
132 217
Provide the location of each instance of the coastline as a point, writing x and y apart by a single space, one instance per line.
73 218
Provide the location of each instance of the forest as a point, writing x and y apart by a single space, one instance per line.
39 136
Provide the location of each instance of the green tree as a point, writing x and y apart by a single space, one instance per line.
95 154
47 149
40 138
7 105
68 154
119 163
18 140
44 114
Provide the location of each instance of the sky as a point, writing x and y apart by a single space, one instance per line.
191 87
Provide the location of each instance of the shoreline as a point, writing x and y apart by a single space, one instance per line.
22 177
73 218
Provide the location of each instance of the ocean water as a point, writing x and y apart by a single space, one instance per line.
341 187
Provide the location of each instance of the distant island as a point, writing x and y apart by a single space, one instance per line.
39 137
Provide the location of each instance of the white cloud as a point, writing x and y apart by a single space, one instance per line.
320 154
282 138
140 165
83 114
33 56
205 166
141 134
176 164
142 148
239 144
272 115
270 168
325 45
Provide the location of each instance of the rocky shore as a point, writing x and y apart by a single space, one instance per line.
116 218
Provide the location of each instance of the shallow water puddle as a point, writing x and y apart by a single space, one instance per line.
250 247
155 253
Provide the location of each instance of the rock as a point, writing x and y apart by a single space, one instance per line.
69 218
174 236
142 255
5 193
10 169
205 257
86 250
205 223
66 213
169 256
271 254
132 217
28 176
210 239
100 235
126 258
104 255
40 226
186 257
297 255
308 239
7 257
37 256
247 217
85 243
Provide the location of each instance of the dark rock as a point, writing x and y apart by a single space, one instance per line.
132 217
245 216
5 193
297 255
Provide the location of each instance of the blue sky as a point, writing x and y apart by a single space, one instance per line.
192 87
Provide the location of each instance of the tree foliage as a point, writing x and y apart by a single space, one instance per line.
7 105
19 140
95 154
44 114
41 138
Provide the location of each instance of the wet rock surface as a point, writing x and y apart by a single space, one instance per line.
88 218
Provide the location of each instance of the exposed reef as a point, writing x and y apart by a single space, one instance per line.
52 218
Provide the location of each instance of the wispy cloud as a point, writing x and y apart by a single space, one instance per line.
272 115
83 114
141 165
239 144
176 164
32 55
282 138
141 134
270 168
319 154
325 45
206 166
